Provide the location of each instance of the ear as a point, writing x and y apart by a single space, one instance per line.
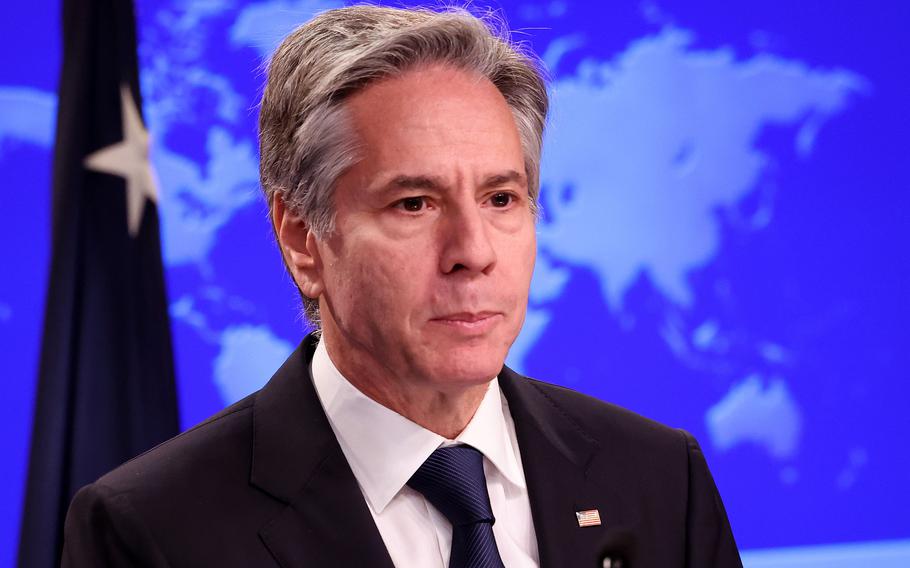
299 248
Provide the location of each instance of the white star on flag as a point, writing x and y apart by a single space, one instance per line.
129 159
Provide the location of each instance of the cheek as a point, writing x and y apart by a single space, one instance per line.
379 280
521 252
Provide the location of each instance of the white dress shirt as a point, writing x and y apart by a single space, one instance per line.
384 449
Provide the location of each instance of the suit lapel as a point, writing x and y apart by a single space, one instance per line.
297 460
567 471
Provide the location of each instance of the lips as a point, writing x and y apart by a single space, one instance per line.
469 321
468 317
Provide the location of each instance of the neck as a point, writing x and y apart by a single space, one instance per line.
446 414
443 411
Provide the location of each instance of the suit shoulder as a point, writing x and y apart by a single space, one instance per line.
182 500
596 416
223 438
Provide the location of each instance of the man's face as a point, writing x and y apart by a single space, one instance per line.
425 278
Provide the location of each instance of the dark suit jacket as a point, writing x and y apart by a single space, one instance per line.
265 483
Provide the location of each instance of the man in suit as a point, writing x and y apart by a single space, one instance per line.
400 153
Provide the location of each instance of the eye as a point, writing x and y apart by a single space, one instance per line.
412 204
501 199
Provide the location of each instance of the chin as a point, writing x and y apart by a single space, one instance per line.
467 366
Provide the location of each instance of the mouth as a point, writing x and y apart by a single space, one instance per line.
477 322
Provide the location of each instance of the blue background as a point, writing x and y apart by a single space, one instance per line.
724 245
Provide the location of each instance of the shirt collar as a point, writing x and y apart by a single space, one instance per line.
384 448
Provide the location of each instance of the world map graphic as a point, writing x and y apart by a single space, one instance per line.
667 168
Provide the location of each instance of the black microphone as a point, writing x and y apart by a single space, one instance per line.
617 550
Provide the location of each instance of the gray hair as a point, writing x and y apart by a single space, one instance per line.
305 138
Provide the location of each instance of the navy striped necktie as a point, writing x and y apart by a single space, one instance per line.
452 480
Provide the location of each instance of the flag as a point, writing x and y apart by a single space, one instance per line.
589 518
106 389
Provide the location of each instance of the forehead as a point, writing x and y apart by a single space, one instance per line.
435 118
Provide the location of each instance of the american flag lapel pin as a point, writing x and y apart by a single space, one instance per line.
589 518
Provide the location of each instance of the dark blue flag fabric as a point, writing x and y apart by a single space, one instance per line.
106 389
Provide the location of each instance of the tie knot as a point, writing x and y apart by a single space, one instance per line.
452 480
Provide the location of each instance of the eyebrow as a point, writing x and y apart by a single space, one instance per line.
415 182
435 183
510 176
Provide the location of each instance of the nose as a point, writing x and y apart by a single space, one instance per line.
465 240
